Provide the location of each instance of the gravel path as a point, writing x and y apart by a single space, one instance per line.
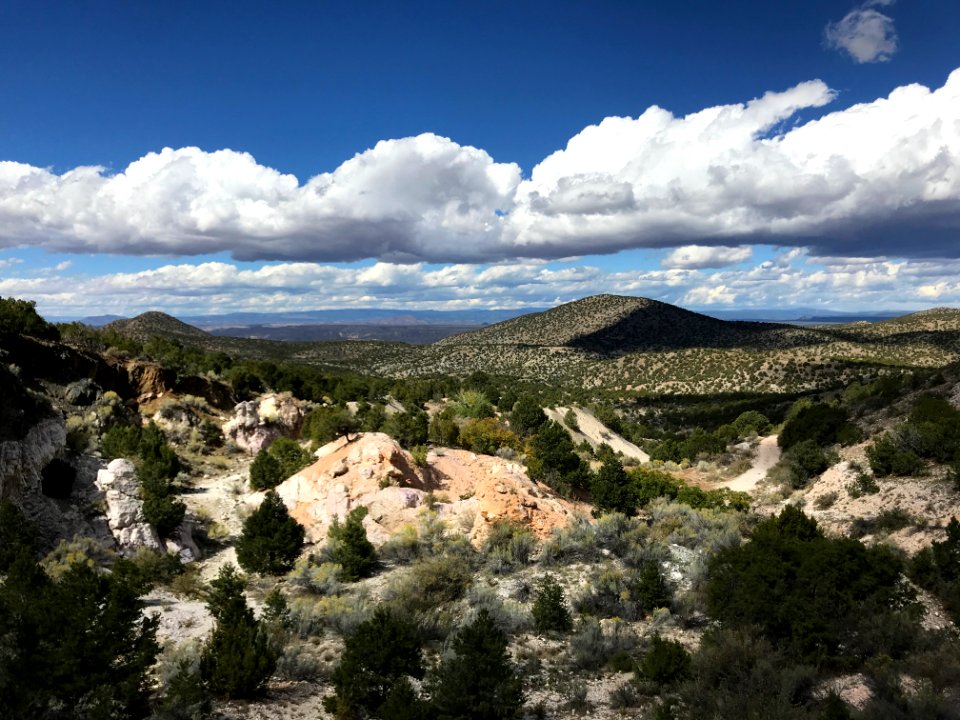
768 454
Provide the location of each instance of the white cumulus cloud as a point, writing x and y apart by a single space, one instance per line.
865 34
875 179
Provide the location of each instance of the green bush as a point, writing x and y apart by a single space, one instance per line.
808 593
265 472
121 441
271 540
160 508
551 457
374 669
327 423
751 422
443 429
527 416
407 428
612 491
550 611
348 546
431 583
17 536
238 659
478 680
937 569
486 436
78 647
737 674
887 457
666 662
822 423
472 404
291 457
508 546
800 463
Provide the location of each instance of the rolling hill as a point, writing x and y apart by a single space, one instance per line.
624 345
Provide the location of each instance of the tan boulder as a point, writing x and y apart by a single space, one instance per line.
470 491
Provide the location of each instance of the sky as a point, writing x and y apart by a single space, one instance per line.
213 157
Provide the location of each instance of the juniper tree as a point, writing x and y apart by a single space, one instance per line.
478 681
349 547
271 540
237 660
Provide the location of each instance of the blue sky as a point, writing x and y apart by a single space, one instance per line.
273 192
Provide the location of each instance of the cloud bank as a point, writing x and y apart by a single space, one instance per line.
874 179
790 278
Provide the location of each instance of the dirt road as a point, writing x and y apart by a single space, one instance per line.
768 454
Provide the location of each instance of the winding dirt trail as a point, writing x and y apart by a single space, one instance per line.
768 454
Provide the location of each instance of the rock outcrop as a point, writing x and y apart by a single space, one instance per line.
471 492
120 487
22 461
257 423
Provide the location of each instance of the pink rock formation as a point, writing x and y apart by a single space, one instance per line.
470 491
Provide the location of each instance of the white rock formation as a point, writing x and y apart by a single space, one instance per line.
120 486
257 423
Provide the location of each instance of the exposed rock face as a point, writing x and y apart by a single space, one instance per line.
22 461
82 392
473 491
257 423
125 508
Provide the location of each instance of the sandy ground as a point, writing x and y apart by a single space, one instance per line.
596 433
768 454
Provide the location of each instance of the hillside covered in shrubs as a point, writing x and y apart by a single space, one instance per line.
828 589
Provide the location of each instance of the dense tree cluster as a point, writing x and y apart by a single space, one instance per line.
20 317
78 647
931 432
811 595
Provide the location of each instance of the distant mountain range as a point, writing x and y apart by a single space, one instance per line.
392 316
422 327
624 345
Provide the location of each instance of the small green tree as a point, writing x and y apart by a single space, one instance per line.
327 423
271 540
612 491
479 681
237 659
472 404
265 471
407 428
290 456
348 546
652 591
551 457
550 611
376 661
443 429
160 508
527 416
666 662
